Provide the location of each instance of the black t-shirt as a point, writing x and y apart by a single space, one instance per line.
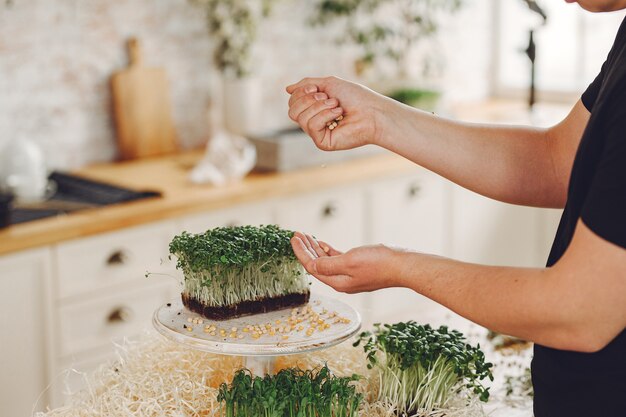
576 384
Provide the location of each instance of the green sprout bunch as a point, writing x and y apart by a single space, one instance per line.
291 392
227 265
421 368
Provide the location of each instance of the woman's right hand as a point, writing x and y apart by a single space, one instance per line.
315 102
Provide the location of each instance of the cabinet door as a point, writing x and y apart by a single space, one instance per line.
336 216
490 232
252 214
548 225
24 283
409 212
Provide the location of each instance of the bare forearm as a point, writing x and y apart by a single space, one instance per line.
524 302
577 304
507 163
519 165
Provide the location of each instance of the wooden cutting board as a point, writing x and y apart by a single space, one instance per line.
142 109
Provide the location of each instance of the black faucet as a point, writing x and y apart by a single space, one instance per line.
531 50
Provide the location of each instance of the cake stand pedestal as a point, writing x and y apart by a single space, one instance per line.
177 323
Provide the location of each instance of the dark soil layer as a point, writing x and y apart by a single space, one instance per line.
246 308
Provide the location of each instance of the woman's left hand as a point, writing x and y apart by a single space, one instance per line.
362 269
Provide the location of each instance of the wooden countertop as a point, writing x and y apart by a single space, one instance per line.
168 175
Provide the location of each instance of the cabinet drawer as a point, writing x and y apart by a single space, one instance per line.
96 322
253 214
335 216
96 263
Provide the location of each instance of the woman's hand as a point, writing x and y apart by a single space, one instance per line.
362 269
315 102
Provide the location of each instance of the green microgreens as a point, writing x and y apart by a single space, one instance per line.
227 265
421 367
232 246
290 393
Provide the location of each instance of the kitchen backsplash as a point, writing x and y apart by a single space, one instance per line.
56 57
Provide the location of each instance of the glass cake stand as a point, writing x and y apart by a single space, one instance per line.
177 323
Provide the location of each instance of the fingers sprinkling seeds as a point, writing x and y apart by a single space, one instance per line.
334 123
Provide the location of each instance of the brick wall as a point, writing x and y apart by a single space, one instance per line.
56 57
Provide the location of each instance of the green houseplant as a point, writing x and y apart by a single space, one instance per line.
385 33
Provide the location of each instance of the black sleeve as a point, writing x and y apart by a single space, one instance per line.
591 93
604 210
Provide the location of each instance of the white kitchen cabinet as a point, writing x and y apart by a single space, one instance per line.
24 326
101 293
410 212
548 225
336 216
249 214
490 232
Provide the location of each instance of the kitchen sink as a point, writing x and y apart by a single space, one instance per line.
74 193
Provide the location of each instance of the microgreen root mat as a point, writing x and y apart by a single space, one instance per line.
153 377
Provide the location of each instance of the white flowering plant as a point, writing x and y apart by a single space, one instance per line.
233 26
